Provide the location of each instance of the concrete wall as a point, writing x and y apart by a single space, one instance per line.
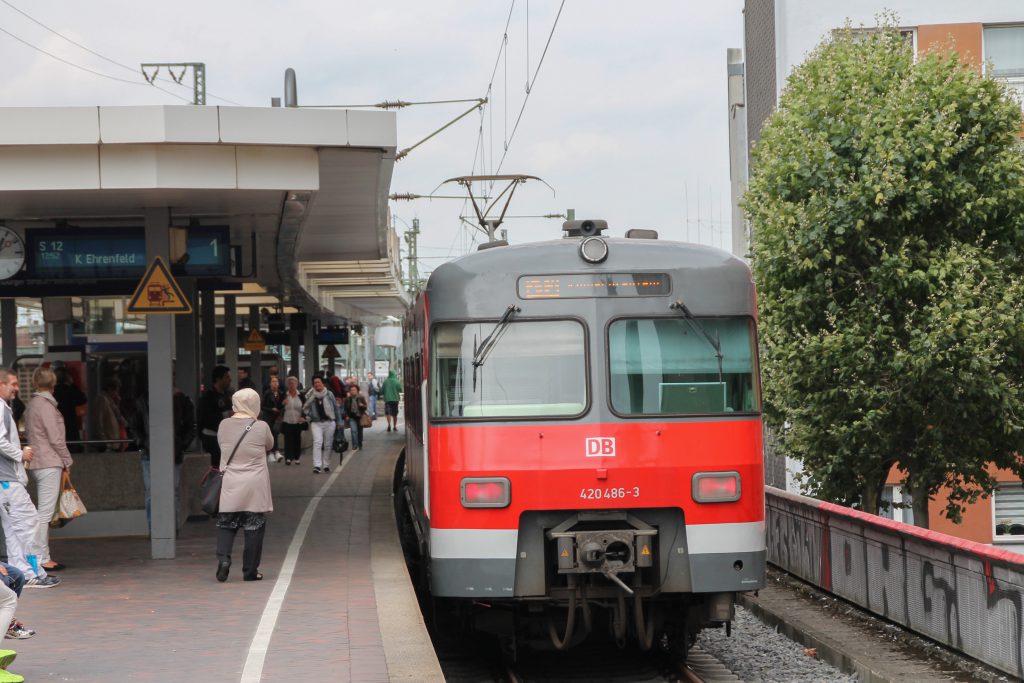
966 595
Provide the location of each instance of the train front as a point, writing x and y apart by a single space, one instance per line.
592 451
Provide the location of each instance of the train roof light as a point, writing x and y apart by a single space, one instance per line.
593 250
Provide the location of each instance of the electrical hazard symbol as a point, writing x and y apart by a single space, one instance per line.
565 552
158 292
645 551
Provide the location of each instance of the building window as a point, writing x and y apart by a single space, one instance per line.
893 500
1008 511
1004 56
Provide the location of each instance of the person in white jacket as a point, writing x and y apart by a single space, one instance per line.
17 513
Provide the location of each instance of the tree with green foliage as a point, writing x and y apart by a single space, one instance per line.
887 212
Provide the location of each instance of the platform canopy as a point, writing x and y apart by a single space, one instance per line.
303 191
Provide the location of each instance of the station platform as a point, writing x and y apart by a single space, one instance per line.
335 604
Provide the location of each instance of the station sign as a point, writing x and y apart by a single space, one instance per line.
98 253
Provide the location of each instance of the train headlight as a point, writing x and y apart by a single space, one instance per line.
593 250
486 492
716 487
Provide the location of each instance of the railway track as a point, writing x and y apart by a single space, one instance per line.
701 667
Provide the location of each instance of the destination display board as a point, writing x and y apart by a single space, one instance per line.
97 253
593 285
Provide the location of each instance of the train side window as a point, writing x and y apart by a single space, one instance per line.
671 366
535 369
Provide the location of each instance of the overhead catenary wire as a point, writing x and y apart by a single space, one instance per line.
102 56
529 90
87 69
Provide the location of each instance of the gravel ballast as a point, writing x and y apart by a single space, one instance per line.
756 652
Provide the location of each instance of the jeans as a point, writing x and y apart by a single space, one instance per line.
10 589
47 481
373 406
357 432
177 492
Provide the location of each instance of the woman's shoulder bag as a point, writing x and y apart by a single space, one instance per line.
213 481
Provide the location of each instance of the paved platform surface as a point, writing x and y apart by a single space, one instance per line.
348 614
856 643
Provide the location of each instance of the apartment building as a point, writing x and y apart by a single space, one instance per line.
778 35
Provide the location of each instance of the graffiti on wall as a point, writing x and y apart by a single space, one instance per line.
965 595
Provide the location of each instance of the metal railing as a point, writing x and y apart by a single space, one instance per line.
966 595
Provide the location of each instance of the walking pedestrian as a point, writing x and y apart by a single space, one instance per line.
355 408
392 392
292 422
44 429
17 513
372 391
245 490
273 405
214 406
321 409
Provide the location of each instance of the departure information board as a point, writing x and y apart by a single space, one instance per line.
86 253
593 285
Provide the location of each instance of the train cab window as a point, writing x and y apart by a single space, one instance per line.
672 366
534 368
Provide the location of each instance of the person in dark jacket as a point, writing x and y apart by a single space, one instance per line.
69 400
214 406
273 413
184 434
355 408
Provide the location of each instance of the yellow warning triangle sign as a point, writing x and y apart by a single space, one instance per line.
565 552
158 292
645 551
255 341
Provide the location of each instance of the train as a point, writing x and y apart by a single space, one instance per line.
584 439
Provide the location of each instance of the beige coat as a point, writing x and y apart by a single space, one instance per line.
44 430
246 485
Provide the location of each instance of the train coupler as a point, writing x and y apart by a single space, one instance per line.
608 552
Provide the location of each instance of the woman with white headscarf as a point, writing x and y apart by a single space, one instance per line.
245 491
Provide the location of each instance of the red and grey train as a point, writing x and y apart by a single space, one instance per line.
584 439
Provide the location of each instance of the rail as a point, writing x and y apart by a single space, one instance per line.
966 595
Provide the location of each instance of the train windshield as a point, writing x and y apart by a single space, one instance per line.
672 366
534 368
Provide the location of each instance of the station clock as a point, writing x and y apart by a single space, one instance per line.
12 253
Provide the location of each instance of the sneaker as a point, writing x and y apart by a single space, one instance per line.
327 469
6 657
8 677
316 470
287 463
17 631
47 582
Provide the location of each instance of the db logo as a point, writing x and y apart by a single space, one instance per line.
600 446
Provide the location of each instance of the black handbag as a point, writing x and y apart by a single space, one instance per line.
214 480
340 444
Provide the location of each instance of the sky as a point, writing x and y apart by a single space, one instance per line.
626 118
